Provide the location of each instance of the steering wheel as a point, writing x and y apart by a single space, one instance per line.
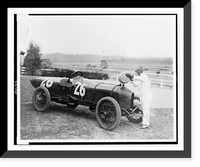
75 75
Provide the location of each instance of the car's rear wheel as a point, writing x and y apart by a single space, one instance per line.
41 99
108 113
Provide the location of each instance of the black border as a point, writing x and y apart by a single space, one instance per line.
186 153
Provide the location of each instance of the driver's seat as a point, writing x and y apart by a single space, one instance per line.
64 82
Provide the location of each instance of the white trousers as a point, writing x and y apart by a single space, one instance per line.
146 105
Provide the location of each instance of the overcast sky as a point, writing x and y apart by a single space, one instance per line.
132 36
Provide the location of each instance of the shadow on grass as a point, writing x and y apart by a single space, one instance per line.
60 109
80 111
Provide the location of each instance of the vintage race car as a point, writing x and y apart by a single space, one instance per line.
109 101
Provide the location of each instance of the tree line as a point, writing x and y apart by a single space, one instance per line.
32 62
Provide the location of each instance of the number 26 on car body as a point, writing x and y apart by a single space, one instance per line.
80 90
47 83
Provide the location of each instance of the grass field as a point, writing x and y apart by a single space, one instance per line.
60 122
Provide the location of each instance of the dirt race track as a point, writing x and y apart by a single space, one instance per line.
60 122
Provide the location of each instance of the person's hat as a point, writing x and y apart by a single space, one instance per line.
139 70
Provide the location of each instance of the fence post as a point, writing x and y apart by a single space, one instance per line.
161 83
150 81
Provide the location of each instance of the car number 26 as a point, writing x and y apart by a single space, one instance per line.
47 83
80 90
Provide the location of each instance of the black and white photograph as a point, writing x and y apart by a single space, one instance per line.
97 77
100 79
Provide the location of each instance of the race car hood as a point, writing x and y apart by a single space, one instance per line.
108 86
95 90
89 82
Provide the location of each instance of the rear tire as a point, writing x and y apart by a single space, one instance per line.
41 99
108 113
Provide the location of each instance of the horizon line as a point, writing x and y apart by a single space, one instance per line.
114 55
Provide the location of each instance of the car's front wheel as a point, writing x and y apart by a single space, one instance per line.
135 113
108 113
41 99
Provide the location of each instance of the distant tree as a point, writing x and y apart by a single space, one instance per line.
33 58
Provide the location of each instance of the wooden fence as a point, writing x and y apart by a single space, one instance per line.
161 82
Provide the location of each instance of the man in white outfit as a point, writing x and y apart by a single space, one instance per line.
141 80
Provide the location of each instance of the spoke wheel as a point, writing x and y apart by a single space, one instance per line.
41 99
108 113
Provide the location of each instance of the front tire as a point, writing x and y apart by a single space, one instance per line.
136 116
135 112
108 113
41 99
